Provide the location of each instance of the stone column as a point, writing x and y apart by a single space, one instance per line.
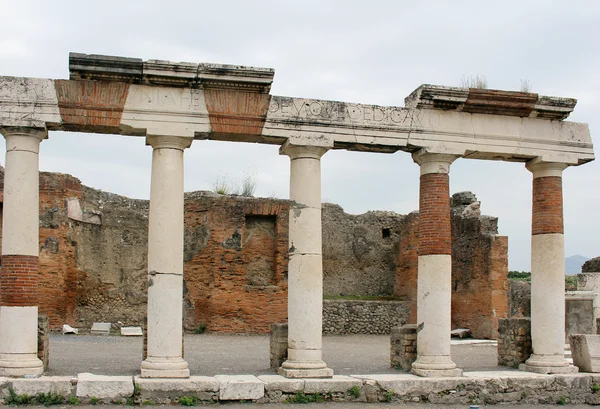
165 260
20 251
305 268
547 271
434 268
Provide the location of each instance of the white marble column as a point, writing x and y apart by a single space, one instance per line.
165 260
547 271
305 268
20 250
434 268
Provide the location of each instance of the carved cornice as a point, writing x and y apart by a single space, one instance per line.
489 101
167 73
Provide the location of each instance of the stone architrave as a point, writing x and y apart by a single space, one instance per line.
19 296
165 260
547 271
305 268
434 268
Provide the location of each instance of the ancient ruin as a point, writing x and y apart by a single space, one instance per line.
171 105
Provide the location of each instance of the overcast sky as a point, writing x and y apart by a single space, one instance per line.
374 52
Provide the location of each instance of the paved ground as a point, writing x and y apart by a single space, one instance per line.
209 354
348 405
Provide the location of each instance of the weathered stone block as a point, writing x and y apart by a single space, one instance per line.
337 383
278 345
280 383
514 350
104 387
60 385
165 390
585 350
240 387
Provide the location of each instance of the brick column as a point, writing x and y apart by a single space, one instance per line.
165 260
435 268
547 271
20 250
305 267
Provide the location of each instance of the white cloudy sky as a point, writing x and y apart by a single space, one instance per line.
373 52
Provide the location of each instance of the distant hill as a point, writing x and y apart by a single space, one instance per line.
573 264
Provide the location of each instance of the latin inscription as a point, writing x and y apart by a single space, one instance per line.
335 111
164 97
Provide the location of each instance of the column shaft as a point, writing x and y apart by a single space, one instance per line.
165 261
305 268
434 268
547 271
20 235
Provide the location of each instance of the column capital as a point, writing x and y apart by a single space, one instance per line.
541 169
168 142
306 147
433 162
40 133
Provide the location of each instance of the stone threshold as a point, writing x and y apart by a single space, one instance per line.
490 387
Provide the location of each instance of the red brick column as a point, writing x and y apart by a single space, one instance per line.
547 270
20 249
19 281
435 268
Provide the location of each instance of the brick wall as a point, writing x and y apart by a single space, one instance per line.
479 269
434 205
19 281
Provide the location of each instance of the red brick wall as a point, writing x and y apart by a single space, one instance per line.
220 292
547 212
434 211
479 274
19 281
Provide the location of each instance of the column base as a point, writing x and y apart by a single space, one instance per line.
305 369
19 365
548 364
160 367
306 373
435 366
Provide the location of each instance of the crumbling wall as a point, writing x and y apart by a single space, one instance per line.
358 251
479 267
236 262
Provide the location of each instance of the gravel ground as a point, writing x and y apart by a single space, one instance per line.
210 354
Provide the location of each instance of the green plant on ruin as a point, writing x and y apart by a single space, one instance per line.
222 186
15 400
354 391
94 400
479 81
525 86
563 400
301 397
248 186
73 400
49 398
187 401
201 328
595 387
148 402
389 395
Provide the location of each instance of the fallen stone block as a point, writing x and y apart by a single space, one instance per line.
67 329
585 350
59 385
460 333
238 387
165 390
132 331
104 387
280 383
338 383
102 328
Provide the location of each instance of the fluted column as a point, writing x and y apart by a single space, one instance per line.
165 260
20 250
305 268
547 271
434 268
